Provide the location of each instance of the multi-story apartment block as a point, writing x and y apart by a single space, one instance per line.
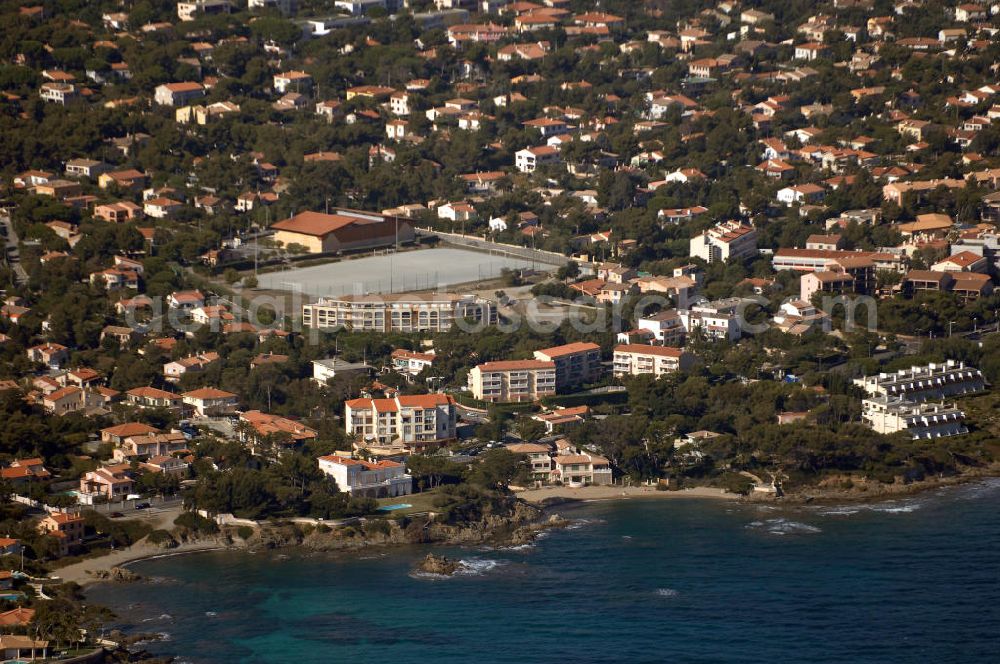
730 239
934 381
576 363
436 312
412 419
636 359
515 380
923 421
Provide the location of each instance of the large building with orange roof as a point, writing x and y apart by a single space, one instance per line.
513 380
411 420
380 479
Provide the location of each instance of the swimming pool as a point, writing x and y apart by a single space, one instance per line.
391 508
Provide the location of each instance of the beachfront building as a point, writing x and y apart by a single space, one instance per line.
67 529
637 359
922 421
576 363
433 312
414 420
729 239
580 469
513 380
934 381
379 479
537 457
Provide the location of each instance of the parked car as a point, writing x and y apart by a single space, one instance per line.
116 515
142 506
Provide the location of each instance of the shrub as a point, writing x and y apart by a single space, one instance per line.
160 537
196 522
244 532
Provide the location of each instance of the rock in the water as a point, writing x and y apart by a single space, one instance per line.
442 565
117 574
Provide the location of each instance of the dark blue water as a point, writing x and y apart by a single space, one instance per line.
911 580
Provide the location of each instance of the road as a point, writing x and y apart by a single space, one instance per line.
11 241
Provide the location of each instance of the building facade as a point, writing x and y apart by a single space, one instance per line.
409 419
576 363
516 380
933 381
436 312
637 359
381 479
730 239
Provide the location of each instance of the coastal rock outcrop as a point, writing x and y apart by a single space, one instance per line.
117 574
441 565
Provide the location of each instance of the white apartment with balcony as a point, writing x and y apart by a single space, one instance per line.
516 380
435 312
380 479
922 421
933 381
637 359
410 419
729 239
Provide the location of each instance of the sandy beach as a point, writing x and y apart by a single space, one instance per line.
83 571
619 493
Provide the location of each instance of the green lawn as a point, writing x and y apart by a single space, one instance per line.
421 502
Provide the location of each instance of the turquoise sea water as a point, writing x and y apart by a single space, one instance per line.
911 580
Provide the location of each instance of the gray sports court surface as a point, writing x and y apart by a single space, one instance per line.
408 271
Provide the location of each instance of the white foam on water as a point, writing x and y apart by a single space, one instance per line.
162 616
211 614
478 566
667 592
165 636
428 576
782 526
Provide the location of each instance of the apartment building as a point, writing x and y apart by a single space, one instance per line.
636 359
816 260
576 363
718 320
513 380
435 312
730 239
666 327
412 419
381 479
922 421
934 381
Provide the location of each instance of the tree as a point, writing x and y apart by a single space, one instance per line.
496 469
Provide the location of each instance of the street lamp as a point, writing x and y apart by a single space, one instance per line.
950 323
